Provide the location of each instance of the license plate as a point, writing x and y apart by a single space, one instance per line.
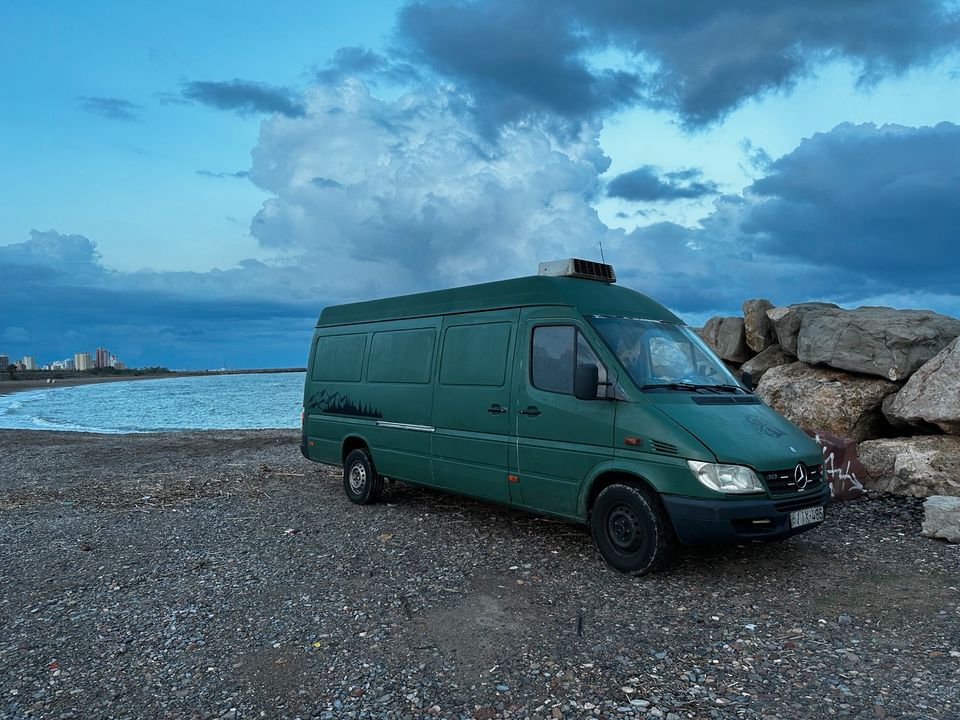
807 516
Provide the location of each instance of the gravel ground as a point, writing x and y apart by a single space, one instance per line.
217 574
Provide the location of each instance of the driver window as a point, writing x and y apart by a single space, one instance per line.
556 351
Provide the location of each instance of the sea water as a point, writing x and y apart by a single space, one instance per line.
206 402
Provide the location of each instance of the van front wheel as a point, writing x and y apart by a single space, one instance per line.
360 479
631 530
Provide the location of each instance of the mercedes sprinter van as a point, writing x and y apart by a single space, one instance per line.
562 394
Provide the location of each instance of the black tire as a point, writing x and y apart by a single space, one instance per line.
361 482
631 529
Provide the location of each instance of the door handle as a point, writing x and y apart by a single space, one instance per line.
530 410
496 409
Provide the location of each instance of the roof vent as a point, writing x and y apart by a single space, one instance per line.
577 268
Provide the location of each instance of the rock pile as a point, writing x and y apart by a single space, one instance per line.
887 379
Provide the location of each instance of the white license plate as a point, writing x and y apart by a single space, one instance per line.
807 516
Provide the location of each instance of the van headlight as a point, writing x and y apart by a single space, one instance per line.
726 478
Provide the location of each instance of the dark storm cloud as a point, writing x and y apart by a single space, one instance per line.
648 184
357 61
244 97
110 108
65 301
884 200
516 59
699 59
221 175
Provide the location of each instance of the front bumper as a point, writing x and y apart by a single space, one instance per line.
702 522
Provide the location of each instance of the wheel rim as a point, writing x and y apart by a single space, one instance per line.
624 528
357 478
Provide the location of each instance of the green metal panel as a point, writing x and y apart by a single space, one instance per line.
754 435
401 356
588 296
339 358
395 418
472 404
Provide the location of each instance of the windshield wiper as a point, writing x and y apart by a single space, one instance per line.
731 388
692 387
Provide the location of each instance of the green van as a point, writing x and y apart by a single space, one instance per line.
565 395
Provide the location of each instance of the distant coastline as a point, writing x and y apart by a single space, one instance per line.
40 380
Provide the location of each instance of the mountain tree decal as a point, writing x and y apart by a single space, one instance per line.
339 404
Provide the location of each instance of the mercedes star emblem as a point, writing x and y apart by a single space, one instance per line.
800 476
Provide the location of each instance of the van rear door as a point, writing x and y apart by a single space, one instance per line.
471 407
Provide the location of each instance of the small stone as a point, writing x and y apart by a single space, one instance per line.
844 619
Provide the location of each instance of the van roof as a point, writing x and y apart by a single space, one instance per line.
589 296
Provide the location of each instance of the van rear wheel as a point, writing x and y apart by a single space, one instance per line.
361 482
631 529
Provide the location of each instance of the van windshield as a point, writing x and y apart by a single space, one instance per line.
664 356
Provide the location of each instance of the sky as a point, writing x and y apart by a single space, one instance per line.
188 184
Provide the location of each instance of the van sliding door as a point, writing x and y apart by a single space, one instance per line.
471 407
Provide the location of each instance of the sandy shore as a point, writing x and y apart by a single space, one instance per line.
12 386
218 574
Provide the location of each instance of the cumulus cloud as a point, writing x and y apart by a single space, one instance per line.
111 108
648 184
401 195
700 60
244 97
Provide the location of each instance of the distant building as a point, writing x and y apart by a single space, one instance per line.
102 359
4 362
29 362
120 365
82 361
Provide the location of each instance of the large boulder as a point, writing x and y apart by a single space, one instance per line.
711 331
772 357
827 399
757 326
931 395
732 341
941 518
889 343
786 321
922 466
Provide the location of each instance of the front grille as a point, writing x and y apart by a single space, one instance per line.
782 482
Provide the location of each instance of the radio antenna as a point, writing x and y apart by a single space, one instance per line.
602 258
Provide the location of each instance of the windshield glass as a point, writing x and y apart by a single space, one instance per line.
662 354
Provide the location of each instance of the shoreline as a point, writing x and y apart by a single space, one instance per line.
8 387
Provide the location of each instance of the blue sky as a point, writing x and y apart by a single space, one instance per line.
189 184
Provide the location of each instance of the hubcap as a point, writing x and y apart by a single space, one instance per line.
358 478
623 528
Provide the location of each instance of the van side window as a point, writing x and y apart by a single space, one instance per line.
339 358
475 354
401 356
556 351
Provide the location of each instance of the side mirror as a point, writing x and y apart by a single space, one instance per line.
746 378
585 382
